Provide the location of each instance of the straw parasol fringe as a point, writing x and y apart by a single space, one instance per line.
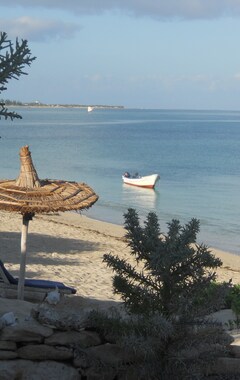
29 195
50 197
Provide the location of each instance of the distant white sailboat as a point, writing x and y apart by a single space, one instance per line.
90 109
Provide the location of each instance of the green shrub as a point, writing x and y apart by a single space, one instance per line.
233 300
174 268
219 292
171 285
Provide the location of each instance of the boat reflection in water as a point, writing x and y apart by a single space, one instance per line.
140 198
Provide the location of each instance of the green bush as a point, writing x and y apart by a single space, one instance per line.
174 268
219 292
233 299
166 292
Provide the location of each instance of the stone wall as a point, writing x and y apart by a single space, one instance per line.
46 342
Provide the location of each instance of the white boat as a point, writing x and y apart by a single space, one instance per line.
90 109
148 181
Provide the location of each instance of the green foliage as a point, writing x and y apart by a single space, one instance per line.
142 338
219 292
233 300
166 292
157 348
13 59
173 267
119 326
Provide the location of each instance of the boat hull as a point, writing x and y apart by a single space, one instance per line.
147 182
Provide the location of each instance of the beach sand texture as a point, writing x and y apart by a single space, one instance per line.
69 247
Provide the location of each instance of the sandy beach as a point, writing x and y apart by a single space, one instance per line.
69 247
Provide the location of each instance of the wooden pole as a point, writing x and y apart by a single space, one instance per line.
25 222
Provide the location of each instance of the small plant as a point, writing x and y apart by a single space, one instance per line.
233 293
170 287
233 302
174 268
214 291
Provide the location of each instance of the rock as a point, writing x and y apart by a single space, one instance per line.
44 352
53 297
2 324
27 331
91 368
7 355
67 338
235 350
131 373
224 317
234 334
8 346
8 371
28 370
49 315
8 319
21 309
109 354
82 360
102 374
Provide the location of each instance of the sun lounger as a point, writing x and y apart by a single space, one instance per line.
33 289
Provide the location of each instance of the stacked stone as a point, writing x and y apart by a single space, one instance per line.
44 344
52 350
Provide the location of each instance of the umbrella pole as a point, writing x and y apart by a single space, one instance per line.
25 221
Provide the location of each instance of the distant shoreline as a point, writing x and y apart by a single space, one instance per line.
31 105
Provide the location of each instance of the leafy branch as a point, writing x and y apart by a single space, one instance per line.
13 59
174 268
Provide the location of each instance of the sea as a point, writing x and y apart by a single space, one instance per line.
196 154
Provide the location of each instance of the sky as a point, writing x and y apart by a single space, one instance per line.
165 54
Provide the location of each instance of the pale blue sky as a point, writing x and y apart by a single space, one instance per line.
136 53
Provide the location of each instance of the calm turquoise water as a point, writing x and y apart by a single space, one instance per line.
196 154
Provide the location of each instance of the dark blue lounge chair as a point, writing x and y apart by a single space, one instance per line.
45 286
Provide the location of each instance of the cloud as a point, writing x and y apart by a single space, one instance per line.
158 9
173 82
95 78
237 76
34 29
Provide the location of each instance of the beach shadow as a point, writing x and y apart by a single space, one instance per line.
59 251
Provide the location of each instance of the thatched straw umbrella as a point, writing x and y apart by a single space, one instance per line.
29 195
